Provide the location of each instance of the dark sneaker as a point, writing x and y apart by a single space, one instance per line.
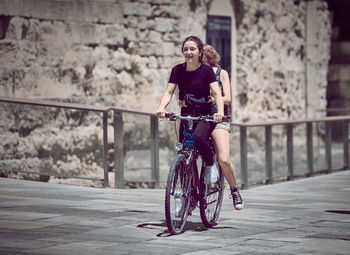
237 199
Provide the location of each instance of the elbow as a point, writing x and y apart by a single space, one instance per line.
227 100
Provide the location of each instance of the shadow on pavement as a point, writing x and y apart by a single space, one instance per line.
190 226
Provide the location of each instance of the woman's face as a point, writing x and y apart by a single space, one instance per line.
190 52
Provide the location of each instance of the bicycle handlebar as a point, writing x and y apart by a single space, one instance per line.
173 117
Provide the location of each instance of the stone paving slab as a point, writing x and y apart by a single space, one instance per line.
305 216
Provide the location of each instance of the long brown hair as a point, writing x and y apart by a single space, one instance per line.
210 56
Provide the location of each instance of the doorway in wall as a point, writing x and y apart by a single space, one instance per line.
338 88
219 36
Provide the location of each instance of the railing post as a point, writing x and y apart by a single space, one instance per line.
105 148
328 138
268 154
309 149
118 150
346 143
244 161
290 152
154 151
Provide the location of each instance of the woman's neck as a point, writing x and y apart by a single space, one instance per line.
191 66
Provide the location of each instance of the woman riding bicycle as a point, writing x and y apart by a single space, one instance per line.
196 81
222 131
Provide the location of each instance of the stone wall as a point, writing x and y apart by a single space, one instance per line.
318 54
283 49
272 50
115 53
119 53
121 49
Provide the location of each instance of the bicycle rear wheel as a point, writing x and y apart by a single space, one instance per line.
211 199
176 198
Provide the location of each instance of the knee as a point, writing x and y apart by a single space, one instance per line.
224 160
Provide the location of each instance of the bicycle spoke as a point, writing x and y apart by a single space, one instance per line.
210 205
176 200
212 202
183 176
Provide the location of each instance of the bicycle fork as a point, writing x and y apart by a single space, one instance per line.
185 175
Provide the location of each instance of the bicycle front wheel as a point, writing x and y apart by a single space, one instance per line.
211 199
176 197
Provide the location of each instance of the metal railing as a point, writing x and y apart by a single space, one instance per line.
118 124
289 125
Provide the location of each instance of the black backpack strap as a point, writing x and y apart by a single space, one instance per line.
182 74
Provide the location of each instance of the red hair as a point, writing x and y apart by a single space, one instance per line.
210 56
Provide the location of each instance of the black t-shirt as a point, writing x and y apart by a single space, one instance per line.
192 82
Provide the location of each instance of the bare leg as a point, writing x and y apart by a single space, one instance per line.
221 140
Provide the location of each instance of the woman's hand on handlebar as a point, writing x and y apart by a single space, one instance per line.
161 113
218 117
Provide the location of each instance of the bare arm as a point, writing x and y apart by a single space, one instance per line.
165 100
216 92
226 86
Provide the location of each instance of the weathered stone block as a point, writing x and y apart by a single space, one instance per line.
7 80
103 12
154 36
164 24
92 11
87 33
136 8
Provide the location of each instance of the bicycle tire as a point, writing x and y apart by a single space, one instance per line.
210 203
175 191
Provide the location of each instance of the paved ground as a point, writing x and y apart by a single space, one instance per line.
308 216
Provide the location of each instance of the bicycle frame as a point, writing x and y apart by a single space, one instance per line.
187 148
191 155
187 184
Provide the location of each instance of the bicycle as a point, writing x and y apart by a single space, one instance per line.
185 187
